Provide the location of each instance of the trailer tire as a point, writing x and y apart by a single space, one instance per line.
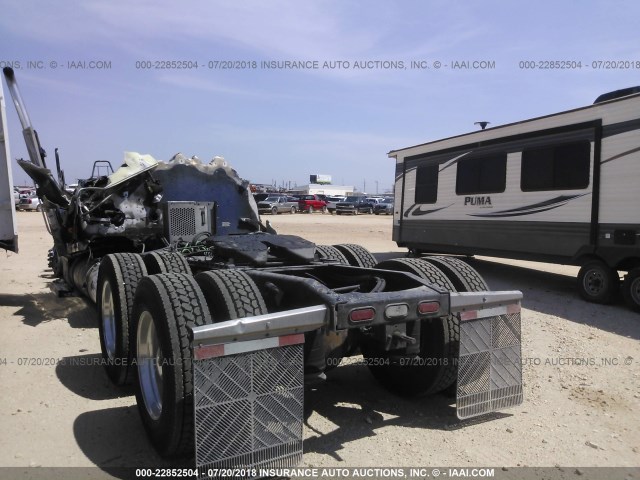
230 294
631 289
166 306
118 278
166 262
357 255
331 253
464 277
439 340
597 282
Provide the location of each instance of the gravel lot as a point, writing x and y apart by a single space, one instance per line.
581 374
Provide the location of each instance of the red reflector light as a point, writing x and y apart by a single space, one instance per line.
428 307
362 314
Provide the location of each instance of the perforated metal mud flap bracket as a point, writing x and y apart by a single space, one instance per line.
490 360
248 379
248 406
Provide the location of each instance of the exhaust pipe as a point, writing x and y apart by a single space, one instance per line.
36 152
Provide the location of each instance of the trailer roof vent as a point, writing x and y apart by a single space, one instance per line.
617 94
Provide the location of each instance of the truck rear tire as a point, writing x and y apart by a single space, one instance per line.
357 255
118 278
166 305
631 289
463 276
597 282
434 369
331 253
230 294
166 262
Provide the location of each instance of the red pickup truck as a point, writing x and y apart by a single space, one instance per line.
311 203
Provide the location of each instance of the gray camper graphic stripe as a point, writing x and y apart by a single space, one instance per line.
620 127
415 211
531 209
623 154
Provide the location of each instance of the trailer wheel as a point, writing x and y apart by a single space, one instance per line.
631 289
464 277
118 277
331 253
597 282
436 369
166 262
230 294
166 306
357 255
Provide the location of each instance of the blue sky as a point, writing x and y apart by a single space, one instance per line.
282 125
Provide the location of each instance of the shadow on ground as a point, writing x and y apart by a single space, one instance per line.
352 400
37 308
85 376
114 439
556 295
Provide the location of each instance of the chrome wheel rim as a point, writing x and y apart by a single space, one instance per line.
149 360
108 320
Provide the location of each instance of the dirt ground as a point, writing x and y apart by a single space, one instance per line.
581 377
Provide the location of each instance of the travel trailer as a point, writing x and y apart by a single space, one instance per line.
563 188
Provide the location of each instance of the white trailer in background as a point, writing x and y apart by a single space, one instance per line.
563 188
8 230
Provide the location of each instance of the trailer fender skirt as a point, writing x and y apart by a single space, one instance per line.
490 359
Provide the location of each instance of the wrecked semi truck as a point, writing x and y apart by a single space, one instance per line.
220 322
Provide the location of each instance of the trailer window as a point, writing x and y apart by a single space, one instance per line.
427 184
556 167
486 174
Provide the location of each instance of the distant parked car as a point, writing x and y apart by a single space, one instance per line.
311 203
30 203
385 207
354 206
332 201
375 200
278 204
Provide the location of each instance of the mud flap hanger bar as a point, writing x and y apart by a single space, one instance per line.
277 324
461 302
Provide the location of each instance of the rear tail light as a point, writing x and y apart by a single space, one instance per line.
428 307
362 315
